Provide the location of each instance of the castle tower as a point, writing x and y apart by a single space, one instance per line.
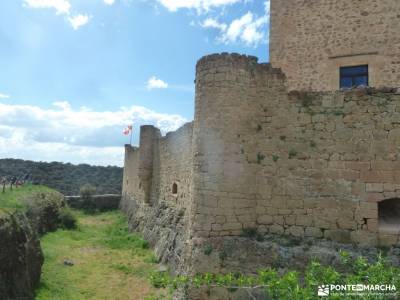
325 45
233 93
148 138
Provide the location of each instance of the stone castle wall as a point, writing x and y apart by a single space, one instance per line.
230 92
302 164
160 162
150 172
258 157
311 39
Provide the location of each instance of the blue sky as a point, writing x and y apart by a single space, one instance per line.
74 73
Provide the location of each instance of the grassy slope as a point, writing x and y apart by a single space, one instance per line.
109 263
13 199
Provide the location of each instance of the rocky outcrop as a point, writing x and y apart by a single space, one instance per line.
164 227
21 257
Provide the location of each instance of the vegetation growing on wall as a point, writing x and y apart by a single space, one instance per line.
292 284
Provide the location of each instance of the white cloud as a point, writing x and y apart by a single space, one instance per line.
61 6
73 135
64 105
32 150
4 96
267 6
109 2
199 5
79 20
155 83
249 28
212 23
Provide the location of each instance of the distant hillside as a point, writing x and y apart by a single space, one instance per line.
66 178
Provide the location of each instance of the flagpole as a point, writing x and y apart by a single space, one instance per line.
130 141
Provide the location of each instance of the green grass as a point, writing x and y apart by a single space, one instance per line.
109 262
293 285
13 199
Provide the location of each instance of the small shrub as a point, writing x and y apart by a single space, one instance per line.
313 144
86 192
43 209
144 244
259 128
223 255
275 158
208 249
67 218
249 232
159 279
260 157
282 137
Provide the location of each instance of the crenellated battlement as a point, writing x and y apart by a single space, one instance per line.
230 63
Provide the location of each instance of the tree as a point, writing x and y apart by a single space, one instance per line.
86 192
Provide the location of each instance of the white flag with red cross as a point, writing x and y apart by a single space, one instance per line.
127 130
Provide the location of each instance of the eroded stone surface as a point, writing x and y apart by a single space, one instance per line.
21 257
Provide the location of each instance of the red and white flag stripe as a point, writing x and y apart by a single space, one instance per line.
127 130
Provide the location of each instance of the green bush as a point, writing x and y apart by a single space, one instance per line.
67 218
208 249
260 157
42 209
292 284
86 192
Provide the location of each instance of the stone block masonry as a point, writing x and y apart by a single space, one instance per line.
256 156
311 39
